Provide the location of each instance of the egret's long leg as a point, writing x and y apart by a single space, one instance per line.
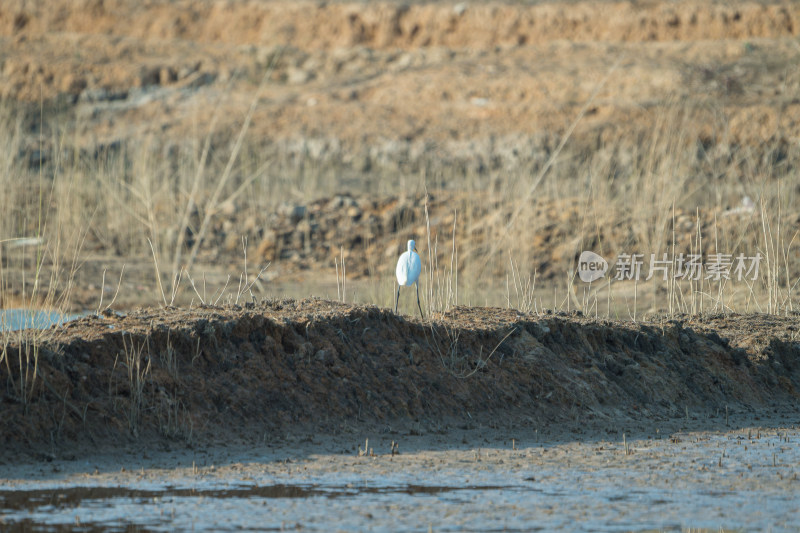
397 299
418 304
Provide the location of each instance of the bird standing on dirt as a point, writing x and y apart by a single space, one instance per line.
408 269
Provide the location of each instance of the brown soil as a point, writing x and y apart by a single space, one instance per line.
258 371
380 86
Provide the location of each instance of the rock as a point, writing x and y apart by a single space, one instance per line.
298 76
250 224
268 247
228 209
73 84
149 76
293 212
167 75
304 227
232 242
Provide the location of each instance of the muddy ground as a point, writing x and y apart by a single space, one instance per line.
183 377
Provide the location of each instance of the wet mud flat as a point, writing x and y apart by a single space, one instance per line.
593 479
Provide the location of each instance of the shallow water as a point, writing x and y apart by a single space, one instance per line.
709 481
17 319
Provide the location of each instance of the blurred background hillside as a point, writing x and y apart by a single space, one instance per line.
168 151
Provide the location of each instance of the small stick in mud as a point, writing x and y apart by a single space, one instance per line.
363 452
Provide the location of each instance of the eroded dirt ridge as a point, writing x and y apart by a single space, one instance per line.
186 374
314 24
400 87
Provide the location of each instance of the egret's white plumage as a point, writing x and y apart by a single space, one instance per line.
408 266
408 269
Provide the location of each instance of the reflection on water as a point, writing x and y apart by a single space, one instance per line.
16 319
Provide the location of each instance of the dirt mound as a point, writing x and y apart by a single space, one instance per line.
186 374
388 24
388 87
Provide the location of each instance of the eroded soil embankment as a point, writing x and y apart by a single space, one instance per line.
313 24
189 374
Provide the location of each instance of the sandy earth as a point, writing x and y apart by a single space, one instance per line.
396 88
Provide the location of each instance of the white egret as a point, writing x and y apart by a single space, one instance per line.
408 269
